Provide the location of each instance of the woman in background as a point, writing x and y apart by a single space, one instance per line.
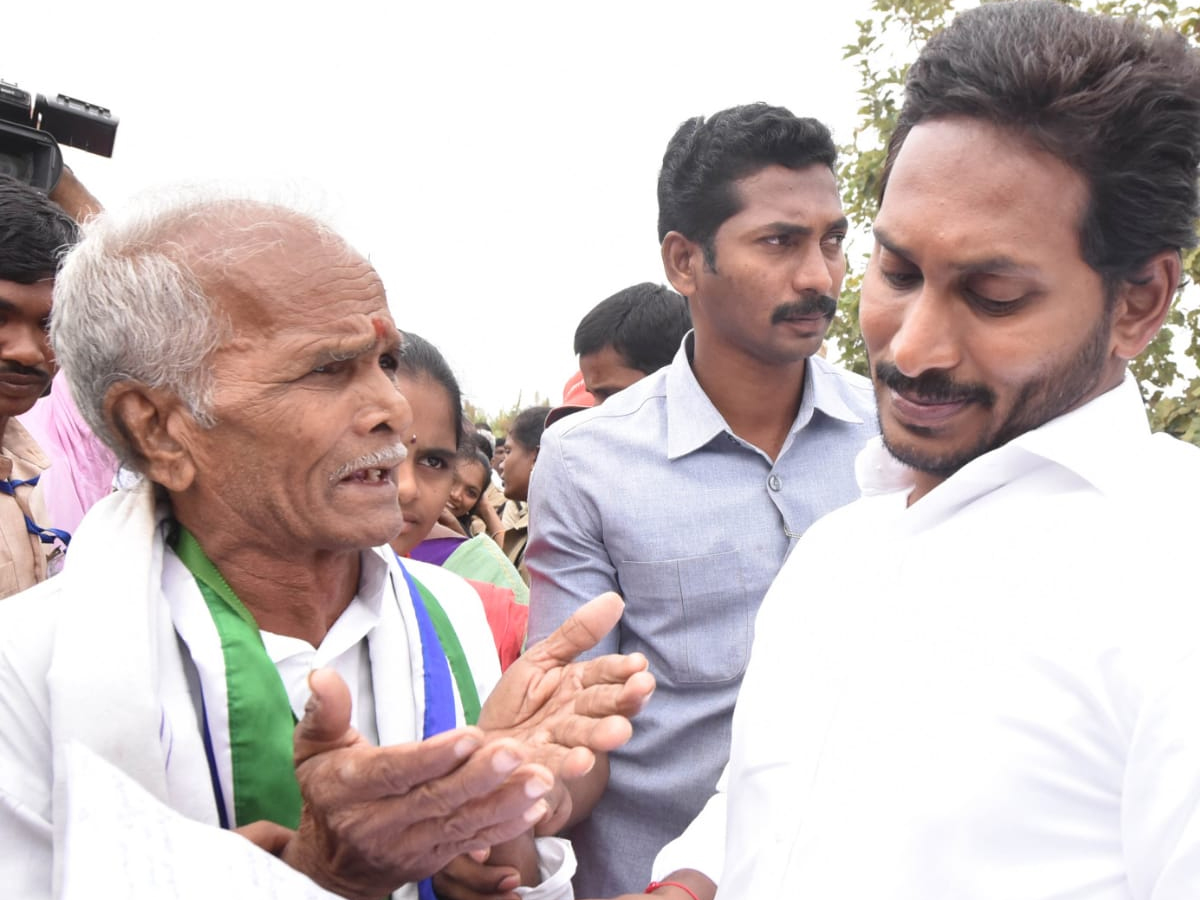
424 480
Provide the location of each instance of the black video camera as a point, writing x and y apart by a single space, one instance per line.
32 126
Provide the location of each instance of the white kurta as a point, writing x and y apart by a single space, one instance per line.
993 693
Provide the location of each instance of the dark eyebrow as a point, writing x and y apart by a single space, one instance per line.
790 228
994 265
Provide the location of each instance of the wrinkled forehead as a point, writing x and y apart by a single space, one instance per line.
270 274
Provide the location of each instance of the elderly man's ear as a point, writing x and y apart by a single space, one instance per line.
155 426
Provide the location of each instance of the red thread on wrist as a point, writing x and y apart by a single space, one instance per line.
655 885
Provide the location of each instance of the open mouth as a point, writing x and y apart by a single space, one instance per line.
369 476
373 468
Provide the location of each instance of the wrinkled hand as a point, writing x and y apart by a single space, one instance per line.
564 712
375 818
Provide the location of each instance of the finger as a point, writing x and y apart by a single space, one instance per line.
326 722
465 879
501 765
582 630
596 735
559 806
485 817
606 698
401 769
611 669
267 835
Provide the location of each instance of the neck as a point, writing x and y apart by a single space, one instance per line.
758 400
299 595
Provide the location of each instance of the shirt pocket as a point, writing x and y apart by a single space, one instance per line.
692 614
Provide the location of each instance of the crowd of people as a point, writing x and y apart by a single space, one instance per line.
729 622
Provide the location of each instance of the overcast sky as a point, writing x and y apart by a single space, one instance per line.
496 161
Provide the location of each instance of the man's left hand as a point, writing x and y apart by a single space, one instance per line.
564 712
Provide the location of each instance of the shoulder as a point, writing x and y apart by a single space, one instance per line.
28 619
461 603
853 389
624 411
448 588
19 446
481 558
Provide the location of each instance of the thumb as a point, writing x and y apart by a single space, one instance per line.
326 722
582 630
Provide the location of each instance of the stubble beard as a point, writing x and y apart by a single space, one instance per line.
1044 397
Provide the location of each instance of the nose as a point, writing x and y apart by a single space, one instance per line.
927 334
382 406
816 271
406 481
27 344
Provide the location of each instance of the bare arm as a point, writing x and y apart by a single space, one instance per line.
76 200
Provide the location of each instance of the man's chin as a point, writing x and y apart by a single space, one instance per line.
929 459
12 406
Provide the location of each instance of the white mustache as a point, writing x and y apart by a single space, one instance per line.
385 458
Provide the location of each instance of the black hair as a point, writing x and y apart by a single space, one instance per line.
705 157
644 324
479 442
468 453
34 233
527 427
1114 99
419 358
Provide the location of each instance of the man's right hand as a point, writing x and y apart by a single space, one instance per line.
375 818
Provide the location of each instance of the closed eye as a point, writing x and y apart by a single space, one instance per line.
901 281
993 307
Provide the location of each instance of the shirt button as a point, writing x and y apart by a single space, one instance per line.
774 483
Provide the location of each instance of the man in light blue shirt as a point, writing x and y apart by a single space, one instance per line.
685 491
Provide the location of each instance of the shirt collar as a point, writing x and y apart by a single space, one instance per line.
693 421
355 623
19 444
1099 442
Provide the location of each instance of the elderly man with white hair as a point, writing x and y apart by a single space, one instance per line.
240 357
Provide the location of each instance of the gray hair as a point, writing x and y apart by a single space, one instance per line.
132 301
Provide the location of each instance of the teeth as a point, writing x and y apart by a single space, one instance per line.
374 475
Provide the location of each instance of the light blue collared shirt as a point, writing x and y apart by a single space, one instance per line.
653 496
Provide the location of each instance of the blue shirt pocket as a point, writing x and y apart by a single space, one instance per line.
691 615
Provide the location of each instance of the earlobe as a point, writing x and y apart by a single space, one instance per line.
680 257
1143 303
153 425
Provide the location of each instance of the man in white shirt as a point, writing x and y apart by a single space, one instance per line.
975 682
242 358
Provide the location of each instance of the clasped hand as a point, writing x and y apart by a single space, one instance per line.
375 818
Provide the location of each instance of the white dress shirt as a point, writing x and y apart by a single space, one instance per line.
992 693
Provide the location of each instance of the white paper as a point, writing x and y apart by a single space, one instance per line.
122 842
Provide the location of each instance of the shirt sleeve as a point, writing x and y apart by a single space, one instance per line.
566 557
556 866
